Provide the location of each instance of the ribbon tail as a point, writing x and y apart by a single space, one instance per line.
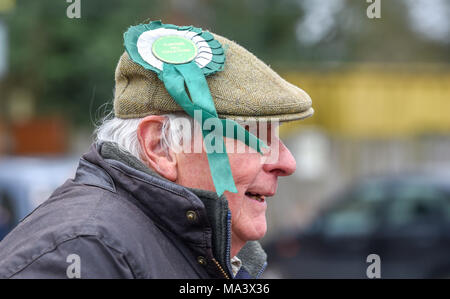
221 174
174 78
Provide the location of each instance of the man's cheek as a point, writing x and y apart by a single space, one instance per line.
247 162
234 205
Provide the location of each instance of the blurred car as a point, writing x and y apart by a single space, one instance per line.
405 220
27 182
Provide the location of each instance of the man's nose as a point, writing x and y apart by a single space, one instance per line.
280 162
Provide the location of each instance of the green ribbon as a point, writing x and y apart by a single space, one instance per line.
175 78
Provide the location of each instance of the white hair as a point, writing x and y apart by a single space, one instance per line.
123 132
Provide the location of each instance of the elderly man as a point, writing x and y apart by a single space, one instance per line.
164 191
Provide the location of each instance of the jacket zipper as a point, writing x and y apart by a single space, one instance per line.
228 258
221 269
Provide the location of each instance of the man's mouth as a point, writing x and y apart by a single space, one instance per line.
256 196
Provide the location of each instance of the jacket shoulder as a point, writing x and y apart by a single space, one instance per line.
76 210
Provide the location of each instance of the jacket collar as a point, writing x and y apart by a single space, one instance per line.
208 235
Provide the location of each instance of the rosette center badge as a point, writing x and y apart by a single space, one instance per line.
174 49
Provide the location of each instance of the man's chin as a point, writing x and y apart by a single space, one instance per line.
258 232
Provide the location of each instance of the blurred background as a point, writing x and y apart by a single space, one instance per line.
373 163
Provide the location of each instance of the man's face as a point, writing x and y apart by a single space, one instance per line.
255 178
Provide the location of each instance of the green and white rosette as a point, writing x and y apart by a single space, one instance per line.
183 56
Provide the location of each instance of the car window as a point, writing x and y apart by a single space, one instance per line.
417 204
357 215
6 214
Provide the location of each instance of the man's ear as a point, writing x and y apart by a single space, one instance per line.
157 157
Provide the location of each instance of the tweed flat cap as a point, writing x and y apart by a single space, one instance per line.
245 88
